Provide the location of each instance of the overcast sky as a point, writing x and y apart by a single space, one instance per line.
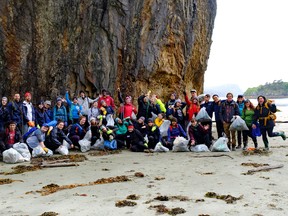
250 43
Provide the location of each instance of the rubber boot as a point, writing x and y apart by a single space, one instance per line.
266 144
245 146
282 134
255 145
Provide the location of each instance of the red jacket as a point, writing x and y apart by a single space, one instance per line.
192 108
127 109
109 101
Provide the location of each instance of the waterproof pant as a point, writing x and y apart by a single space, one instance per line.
248 133
138 147
231 135
219 127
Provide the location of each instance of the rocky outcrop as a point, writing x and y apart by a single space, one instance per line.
49 46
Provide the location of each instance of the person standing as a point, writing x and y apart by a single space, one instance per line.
264 113
107 98
247 116
75 109
4 113
15 111
28 113
216 104
59 111
209 109
228 110
240 102
85 102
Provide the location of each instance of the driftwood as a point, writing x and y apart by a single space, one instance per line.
44 164
264 169
220 155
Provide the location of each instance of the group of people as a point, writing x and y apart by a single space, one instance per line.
135 128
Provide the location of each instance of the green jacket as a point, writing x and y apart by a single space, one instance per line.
247 116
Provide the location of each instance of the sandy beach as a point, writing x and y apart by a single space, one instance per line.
165 174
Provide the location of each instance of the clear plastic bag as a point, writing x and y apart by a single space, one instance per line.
203 116
110 120
164 128
22 148
12 156
238 124
180 144
63 150
200 148
88 135
160 148
220 145
99 144
85 145
39 152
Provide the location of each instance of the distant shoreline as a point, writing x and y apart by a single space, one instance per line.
267 96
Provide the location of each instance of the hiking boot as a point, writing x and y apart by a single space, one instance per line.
238 147
266 144
282 134
245 146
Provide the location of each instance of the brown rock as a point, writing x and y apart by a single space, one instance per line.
49 46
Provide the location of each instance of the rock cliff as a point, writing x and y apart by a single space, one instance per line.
48 46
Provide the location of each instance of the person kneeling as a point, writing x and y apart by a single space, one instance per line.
198 134
37 137
135 140
56 137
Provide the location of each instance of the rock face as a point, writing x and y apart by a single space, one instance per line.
48 46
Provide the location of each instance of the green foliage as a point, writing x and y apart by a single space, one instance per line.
277 88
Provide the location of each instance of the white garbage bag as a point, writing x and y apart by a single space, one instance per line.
203 116
110 120
99 144
180 144
200 148
160 148
164 128
39 152
12 156
220 145
88 135
238 124
85 145
22 148
63 150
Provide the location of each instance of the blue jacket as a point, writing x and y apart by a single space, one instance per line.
39 116
15 111
60 113
172 132
216 109
209 107
75 109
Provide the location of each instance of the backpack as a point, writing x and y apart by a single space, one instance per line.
28 133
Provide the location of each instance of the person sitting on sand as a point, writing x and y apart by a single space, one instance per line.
55 139
174 131
198 133
10 136
134 140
